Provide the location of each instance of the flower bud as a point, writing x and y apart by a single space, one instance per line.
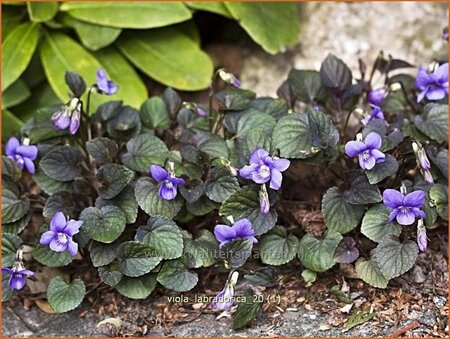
229 79
422 162
422 240
377 96
264 202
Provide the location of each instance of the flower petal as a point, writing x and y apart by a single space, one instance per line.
435 93
7 270
72 247
373 141
378 155
11 146
366 162
281 164
58 222
442 72
275 179
29 164
353 148
158 173
258 156
167 192
246 171
17 281
224 233
405 216
415 199
419 213
47 237
243 228
57 246
422 78
27 272
421 95
393 214
177 181
30 151
72 227
392 198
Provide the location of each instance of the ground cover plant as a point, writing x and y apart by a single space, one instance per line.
41 40
163 194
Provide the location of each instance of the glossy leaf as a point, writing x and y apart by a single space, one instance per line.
169 57
63 296
42 11
17 50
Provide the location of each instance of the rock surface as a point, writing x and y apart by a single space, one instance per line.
407 30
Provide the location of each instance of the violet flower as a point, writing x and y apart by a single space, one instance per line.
23 155
18 274
105 85
68 116
230 78
376 113
224 300
376 96
368 152
241 229
433 85
404 208
263 168
423 162
59 238
168 180
422 239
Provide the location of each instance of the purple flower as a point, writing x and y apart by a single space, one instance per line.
377 96
60 235
422 239
23 155
404 208
376 113
263 168
68 116
169 183
224 299
106 86
230 79
264 201
18 274
241 229
432 85
368 151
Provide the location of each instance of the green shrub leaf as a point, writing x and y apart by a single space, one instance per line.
137 288
114 178
61 163
154 113
13 206
274 26
174 275
318 254
137 259
102 149
110 274
395 258
10 245
306 85
17 50
15 94
339 215
277 247
103 254
434 122
125 200
221 185
438 196
244 203
147 196
42 11
382 170
144 150
369 272
163 235
128 14
376 225
104 225
184 66
63 296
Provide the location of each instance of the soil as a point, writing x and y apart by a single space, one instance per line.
414 305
